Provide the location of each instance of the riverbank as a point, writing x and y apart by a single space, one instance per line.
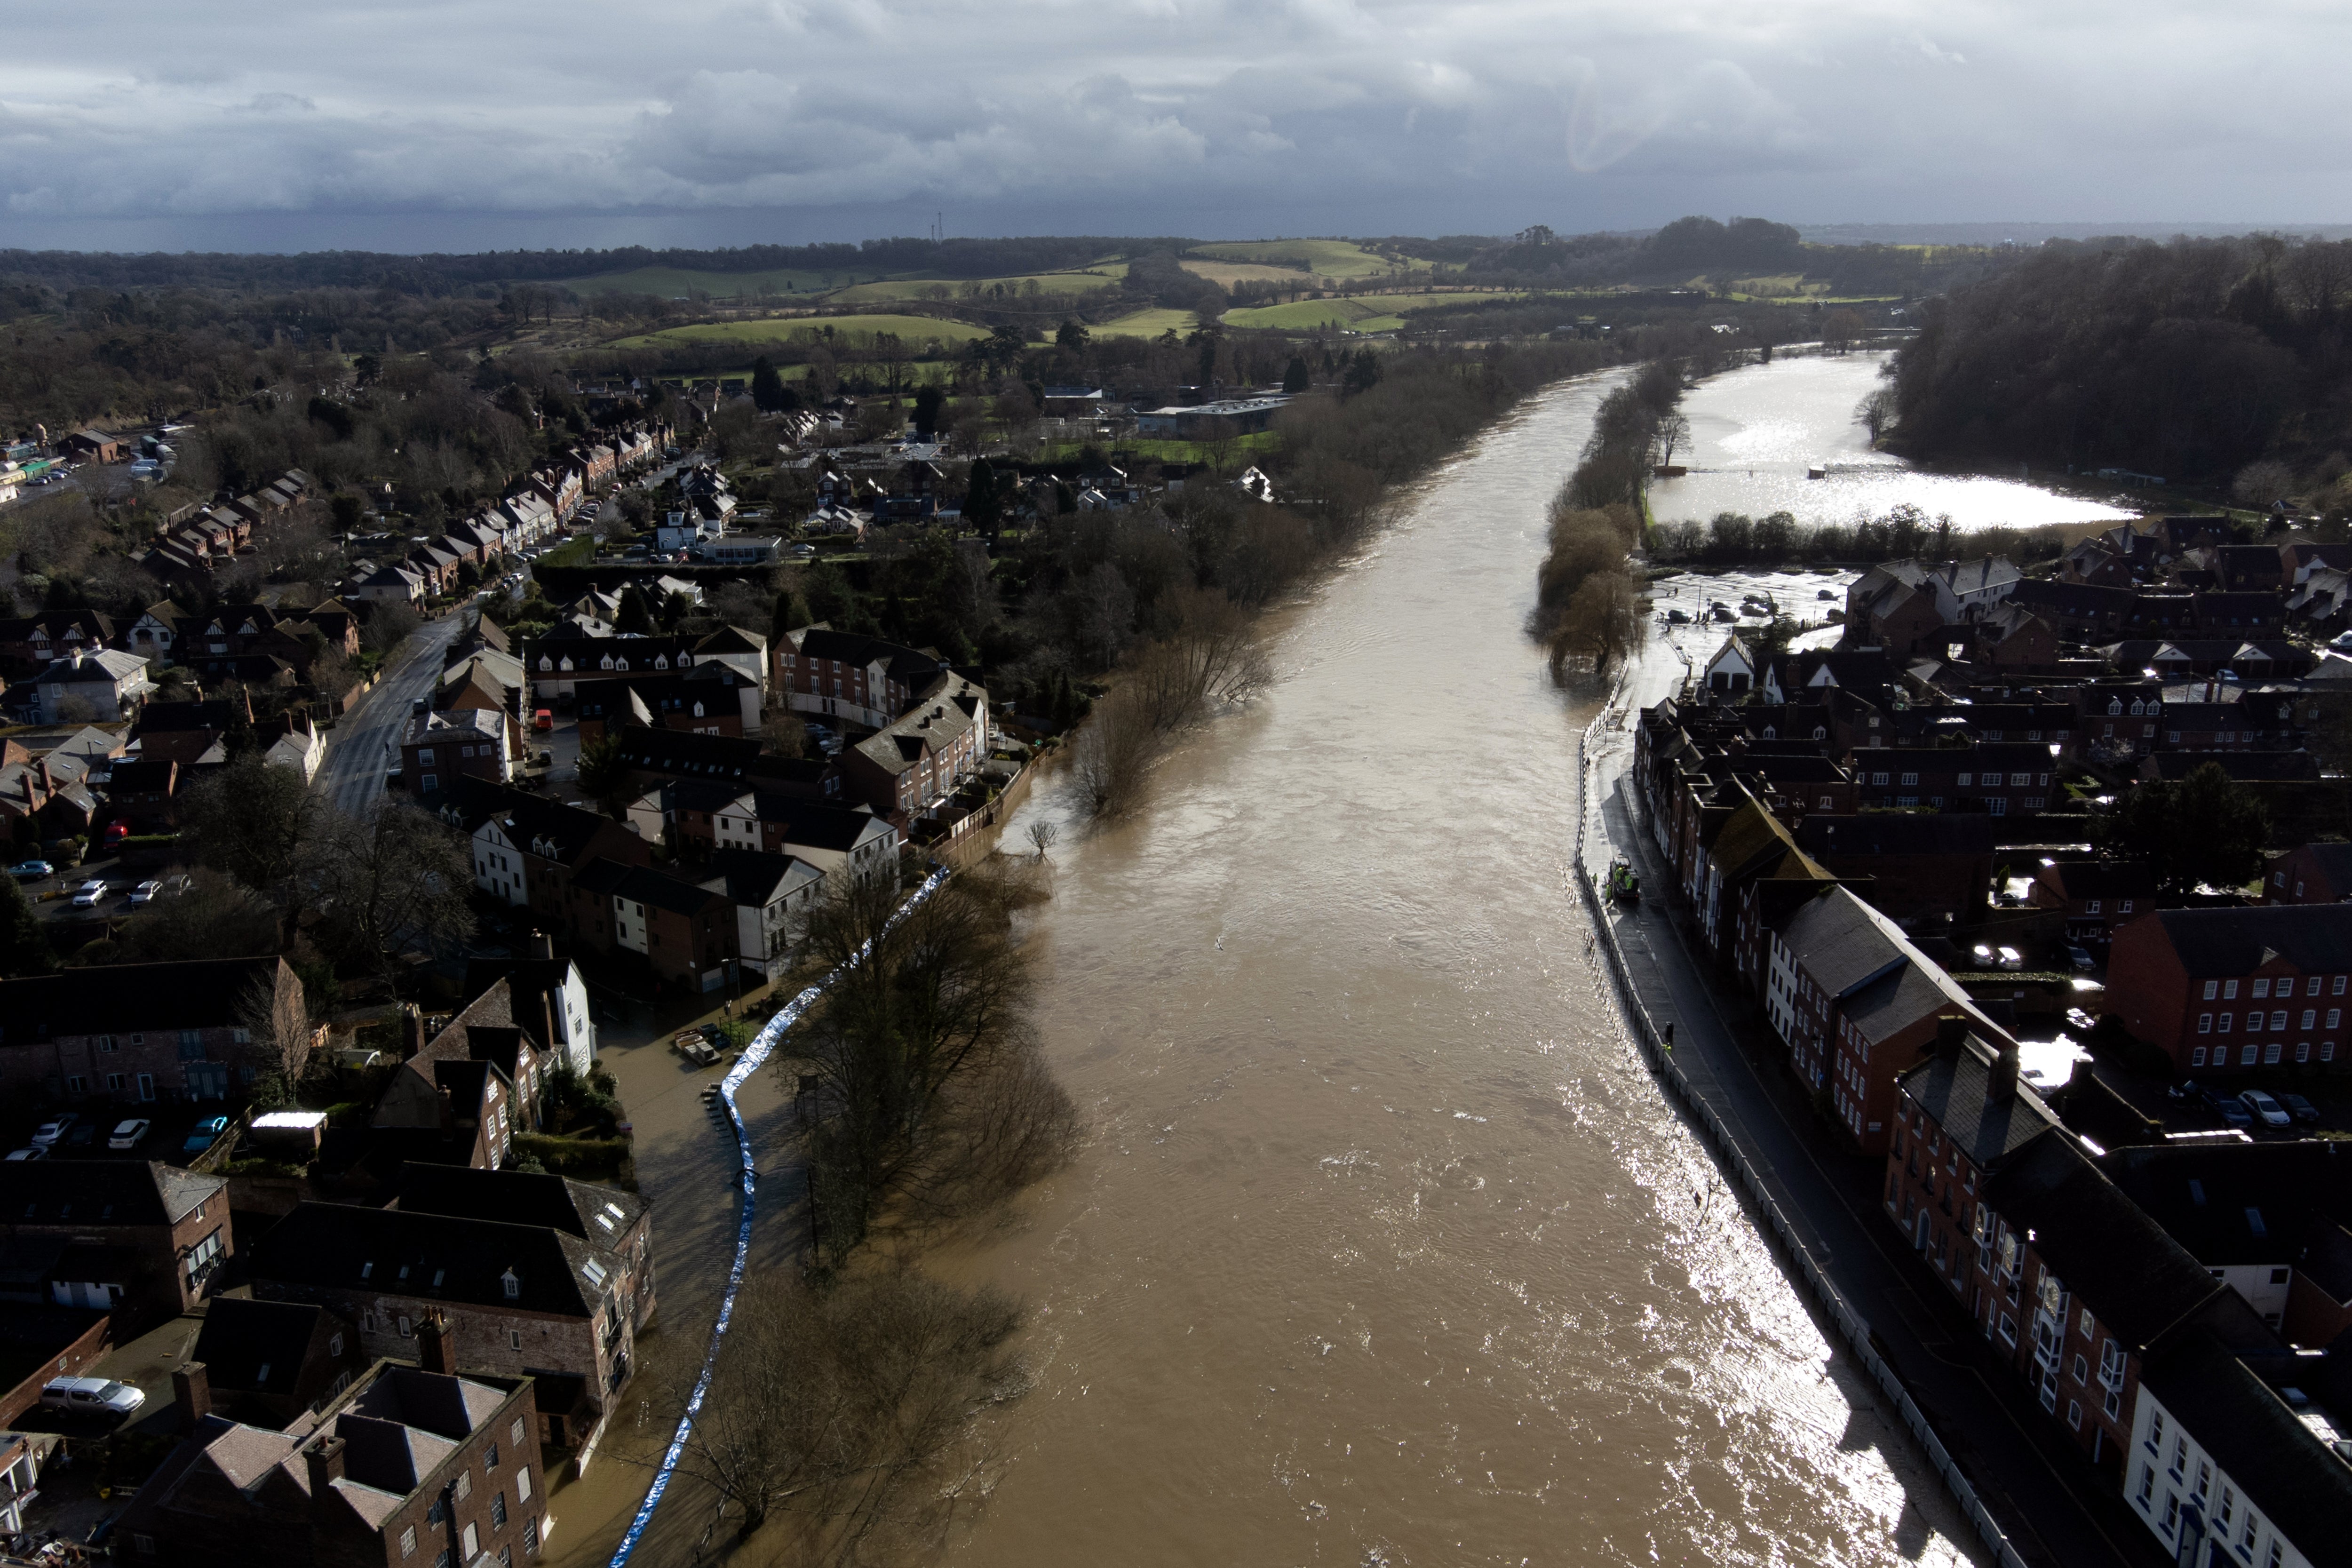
2031 1498
1384 1249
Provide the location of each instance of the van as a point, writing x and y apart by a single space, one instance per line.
91 1396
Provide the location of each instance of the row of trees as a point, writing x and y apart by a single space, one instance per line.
1734 539
1588 606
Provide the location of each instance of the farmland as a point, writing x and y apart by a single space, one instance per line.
1148 323
1369 313
859 330
678 283
1325 257
1105 276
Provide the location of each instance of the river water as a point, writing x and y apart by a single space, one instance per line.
1386 1249
1755 432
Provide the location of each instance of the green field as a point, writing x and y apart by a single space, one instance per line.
858 329
1148 323
676 282
1374 314
1108 275
1328 257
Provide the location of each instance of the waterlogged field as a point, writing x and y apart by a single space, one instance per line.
860 330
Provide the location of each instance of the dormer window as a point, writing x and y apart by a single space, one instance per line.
513 1285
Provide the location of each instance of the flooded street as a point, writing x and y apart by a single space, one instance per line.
1386 1249
1755 432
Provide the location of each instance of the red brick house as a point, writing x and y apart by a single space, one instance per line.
439 748
2314 874
123 1034
411 1465
137 1237
2231 989
2094 896
1858 1005
839 675
2000 778
685 930
923 755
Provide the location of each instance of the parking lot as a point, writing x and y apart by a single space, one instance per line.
160 1130
54 897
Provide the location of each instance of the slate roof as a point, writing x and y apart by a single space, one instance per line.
910 667
241 1340
2101 1245
99 1193
2292 1480
522 1198
1951 1086
444 1257
1880 833
755 879
827 828
119 998
2236 1202
1884 984
2315 938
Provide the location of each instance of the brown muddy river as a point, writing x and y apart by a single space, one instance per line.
1386 1249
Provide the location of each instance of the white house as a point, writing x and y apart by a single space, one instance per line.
107 686
1732 671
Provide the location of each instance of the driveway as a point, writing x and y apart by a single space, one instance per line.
366 741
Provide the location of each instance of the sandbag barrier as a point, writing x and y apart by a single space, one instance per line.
1851 1324
755 1055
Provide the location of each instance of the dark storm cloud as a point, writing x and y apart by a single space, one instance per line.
1275 115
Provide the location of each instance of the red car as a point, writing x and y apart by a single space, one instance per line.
116 831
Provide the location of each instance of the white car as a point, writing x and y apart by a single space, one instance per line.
50 1133
146 892
127 1135
2011 959
91 1396
2266 1111
28 1154
90 895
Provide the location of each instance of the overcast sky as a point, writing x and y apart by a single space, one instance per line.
260 124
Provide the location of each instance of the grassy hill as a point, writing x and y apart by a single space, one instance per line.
1375 313
1107 276
1326 258
916 330
1149 323
676 282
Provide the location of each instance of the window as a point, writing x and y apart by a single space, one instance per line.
145 1543
2262 987
514 1433
2197 1056
114 1082
2334 1016
2278 1019
146 1085
497 1510
2271 1054
408 1541
423 754
2246 1056
2147 1483
2310 1016
2311 987
406 1329
2224 1025
75 1083
469 1540
490 1457
522 1484
2081 1369
531 1539
2128 906
2336 989
2074 1415
1965 779
465 1488
2172 1513
106 1042
2303 1050
514 1338
2204 1022
1910 778
2229 990
2204 1477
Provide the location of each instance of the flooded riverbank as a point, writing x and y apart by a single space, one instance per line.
1387 1249
1757 432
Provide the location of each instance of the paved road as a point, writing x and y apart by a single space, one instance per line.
366 741
2056 1510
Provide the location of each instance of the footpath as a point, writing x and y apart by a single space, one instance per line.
2031 1497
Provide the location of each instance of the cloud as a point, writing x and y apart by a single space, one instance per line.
1371 115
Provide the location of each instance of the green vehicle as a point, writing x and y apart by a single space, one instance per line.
1623 885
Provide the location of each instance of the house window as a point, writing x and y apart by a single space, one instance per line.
106 1042
408 1541
2128 906
2303 1050
2229 990
2278 1019
469 1540
75 1083
497 1510
2210 985
2262 988
2310 1016
2197 1056
423 754
146 1085
2271 1054
2246 1056
1965 779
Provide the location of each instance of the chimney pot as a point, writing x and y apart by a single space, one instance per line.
436 1347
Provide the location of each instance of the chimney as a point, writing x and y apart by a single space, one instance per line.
448 1106
1951 1036
542 945
2001 1078
412 1030
324 1459
437 1346
192 1387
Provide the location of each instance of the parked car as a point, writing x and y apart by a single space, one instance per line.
203 1134
128 1134
84 1134
116 831
2266 1109
30 1154
2302 1109
32 871
2080 957
49 1133
91 1396
91 894
2010 958
2235 1113
145 892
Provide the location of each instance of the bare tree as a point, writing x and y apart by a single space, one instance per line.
1210 655
1875 412
1113 753
1671 435
1601 621
214 916
846 1417
277 1022
387 879
906 1047
1043 832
